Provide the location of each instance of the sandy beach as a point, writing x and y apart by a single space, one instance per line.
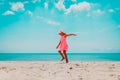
21 70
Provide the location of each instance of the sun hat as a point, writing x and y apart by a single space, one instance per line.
61 31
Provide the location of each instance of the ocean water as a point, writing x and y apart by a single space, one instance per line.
56 57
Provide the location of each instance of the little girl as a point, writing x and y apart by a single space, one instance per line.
63 46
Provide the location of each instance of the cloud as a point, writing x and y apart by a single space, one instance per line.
91 8
83 6
46 5
39 17
60 5
17 6
73 0
30 13
53 23
98 11
111 10
8 12
26 2
34 1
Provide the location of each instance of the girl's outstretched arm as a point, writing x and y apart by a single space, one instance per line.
71 35
58 45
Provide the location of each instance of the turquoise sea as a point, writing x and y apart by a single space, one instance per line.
56 57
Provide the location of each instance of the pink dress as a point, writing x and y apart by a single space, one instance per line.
63 44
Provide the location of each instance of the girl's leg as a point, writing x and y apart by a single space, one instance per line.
65 56
61 55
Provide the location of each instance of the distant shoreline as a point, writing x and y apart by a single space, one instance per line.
56 57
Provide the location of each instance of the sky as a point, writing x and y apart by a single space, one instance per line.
32 26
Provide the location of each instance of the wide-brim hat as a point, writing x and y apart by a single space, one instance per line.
61 31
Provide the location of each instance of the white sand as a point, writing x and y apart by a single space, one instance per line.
59 71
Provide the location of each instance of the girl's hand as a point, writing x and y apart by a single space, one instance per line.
56 47
74 35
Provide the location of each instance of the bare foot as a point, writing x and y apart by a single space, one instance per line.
66 61
62 59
